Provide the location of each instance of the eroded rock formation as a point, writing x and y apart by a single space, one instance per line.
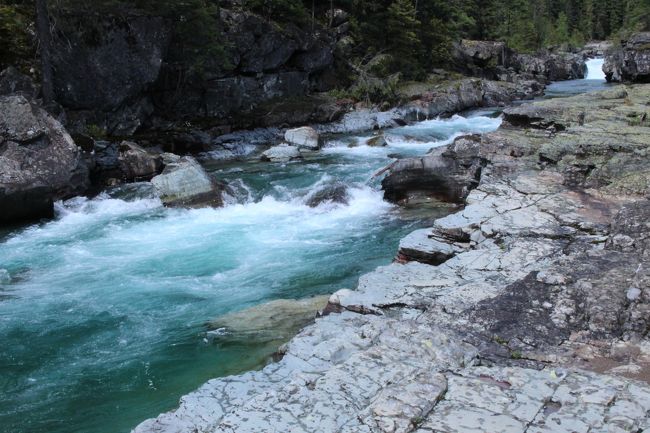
39 161
630 61
528 310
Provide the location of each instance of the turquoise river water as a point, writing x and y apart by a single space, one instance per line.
103 310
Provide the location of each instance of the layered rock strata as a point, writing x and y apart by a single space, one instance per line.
527 311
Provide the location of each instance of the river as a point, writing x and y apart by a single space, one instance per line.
103 310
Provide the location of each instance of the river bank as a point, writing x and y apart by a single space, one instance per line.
120 290
536 318
161 346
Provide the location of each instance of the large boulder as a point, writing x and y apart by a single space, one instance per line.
281 153
184 183
336 192
305 137
447 173
630 61
39 161
137 163
494 60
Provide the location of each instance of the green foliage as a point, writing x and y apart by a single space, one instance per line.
374 90
96 131
196 26
637 17
411 37
403 41
16 47
280 10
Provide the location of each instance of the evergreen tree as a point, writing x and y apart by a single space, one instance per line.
403 41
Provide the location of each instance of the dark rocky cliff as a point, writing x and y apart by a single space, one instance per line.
630 60
115 72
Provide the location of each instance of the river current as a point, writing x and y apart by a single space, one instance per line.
103 310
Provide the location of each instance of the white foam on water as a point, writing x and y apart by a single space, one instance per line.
595 69
419 137
455 124
110 283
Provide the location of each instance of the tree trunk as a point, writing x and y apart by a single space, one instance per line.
45 44
331 13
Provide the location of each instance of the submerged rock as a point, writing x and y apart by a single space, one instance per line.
276 320
305 137
185 183
281 153
377 141
39 161
336 192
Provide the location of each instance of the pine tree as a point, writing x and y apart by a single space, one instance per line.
403 42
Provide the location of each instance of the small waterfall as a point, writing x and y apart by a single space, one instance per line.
595 69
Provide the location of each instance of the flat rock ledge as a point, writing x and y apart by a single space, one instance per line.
533 318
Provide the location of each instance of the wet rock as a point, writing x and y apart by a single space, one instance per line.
39 161
447 174
629 62
377 141
185 183
425 247
132 191
281 153
137 163
275 321
304 138
332 193
496 338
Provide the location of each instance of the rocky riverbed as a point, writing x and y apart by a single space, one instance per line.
527 311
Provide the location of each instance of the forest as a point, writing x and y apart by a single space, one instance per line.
417 33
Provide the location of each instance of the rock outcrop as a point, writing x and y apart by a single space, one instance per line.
137 163
39 161
528 310
447 173
304 137
495 61
551 66
184 183
629 62
118 72
281 153
102 74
